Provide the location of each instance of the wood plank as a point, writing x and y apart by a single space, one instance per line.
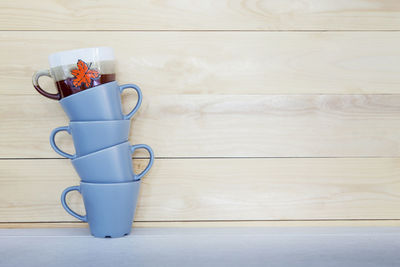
200 15
220 62
216 224
224 126
219 189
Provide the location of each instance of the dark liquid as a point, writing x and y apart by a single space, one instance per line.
66 87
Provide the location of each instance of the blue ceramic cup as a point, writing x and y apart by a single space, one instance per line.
99 103
110 208
92 136
111 165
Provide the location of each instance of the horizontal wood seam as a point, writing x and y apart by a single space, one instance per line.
195 158
218 221
193 30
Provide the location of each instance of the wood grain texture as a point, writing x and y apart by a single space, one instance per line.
200 15
224 126
220 62
223 189
231 78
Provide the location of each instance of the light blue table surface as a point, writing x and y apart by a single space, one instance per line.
258 246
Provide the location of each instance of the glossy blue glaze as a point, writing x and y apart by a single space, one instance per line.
92 136
99 103
111 165
110 208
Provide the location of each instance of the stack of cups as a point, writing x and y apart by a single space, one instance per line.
91 98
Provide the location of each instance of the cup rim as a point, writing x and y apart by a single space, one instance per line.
101 151
65 57
106 184
87 91
126 121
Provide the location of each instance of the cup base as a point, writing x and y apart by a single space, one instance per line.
110 234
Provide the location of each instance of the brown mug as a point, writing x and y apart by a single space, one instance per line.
76 70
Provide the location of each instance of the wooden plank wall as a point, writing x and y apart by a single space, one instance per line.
259 112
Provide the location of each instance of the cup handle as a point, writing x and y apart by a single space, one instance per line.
53 142
133 148
65 205
139 102
35 82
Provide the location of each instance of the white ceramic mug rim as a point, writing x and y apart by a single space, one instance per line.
91 54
